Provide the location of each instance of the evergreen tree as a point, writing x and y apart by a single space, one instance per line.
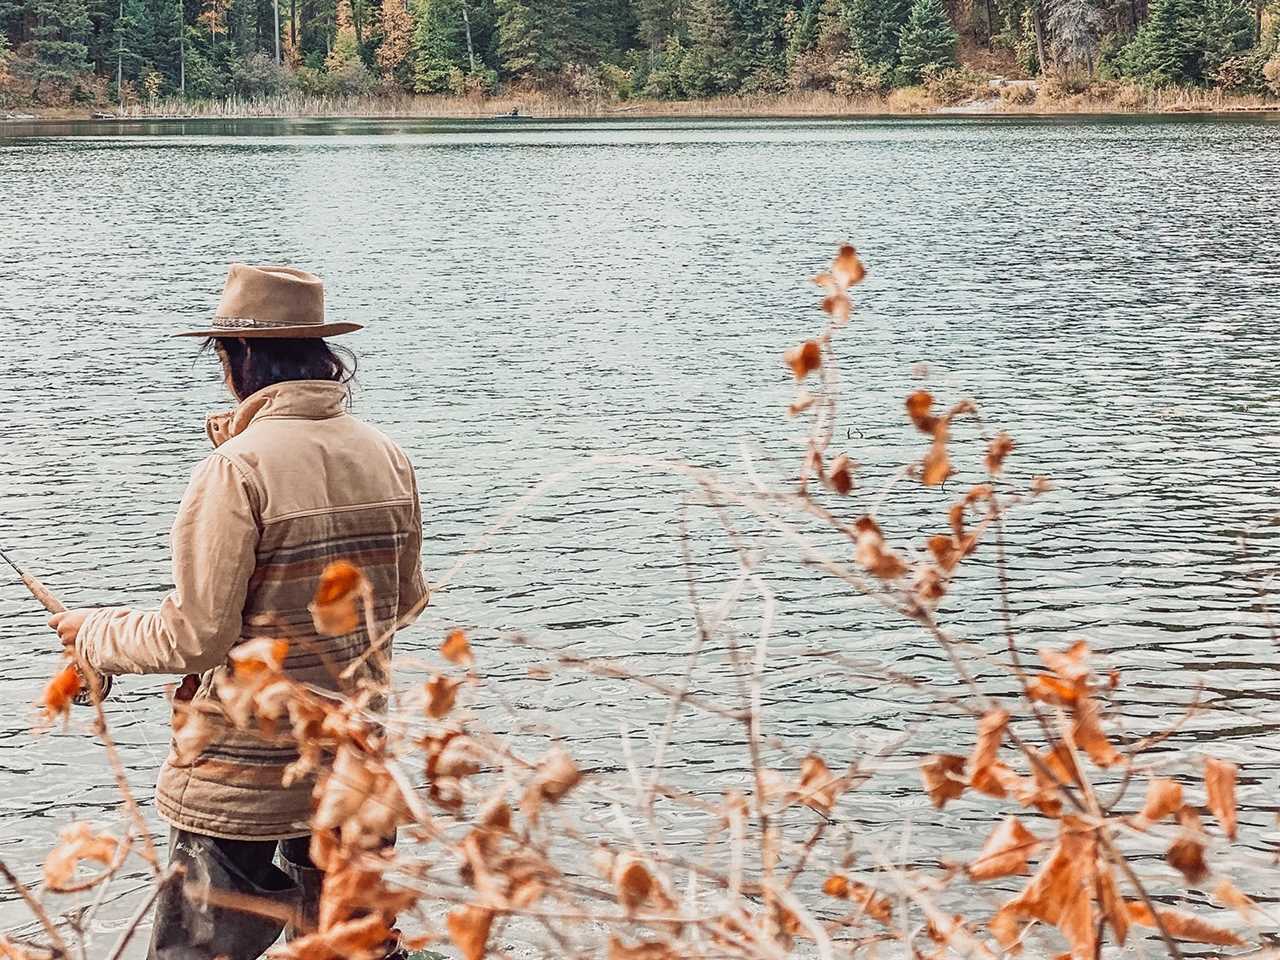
439 45
710 63
1163 51
1074 26
1223 29
59 43
928 41
535 37
655 21
875 28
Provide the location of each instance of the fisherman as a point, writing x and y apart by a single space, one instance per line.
294 483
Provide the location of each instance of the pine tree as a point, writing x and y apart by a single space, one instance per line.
536 37
875 28
438 45
710 62
397 41
1163 51
59 42
1222 29
928 41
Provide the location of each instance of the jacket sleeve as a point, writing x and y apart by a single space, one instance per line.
413 588
214 542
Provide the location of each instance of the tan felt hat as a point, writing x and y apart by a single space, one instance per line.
271 302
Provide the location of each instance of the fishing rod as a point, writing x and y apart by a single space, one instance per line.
51 603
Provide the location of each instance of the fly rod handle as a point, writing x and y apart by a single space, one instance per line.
43 594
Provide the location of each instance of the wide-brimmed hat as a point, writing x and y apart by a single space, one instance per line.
271 302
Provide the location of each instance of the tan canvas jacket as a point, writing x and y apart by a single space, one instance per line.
295 482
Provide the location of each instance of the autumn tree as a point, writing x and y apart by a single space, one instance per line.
397 41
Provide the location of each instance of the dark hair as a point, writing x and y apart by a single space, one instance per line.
256 362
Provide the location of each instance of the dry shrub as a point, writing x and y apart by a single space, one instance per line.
955 85
909 100
508 838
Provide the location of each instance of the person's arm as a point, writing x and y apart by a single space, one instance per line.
214 540
413 588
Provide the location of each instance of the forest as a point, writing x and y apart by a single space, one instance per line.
131 51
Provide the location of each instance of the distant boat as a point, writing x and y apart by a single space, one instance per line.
515 114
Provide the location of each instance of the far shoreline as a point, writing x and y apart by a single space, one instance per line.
912 103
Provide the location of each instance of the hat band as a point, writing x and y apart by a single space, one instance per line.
249 323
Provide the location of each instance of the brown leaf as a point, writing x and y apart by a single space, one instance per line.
838 306
557 774
872 554
1164 798
77 843
1088 734
632 881
1229 895
839 476
819 788
1113 907
997 780
1061 891
192 732
442 694
258 657
1071 664
1049 688
847 268
999 448
1186 853
335 609
1184 926
944 777
1006 928
875 905
1040 485
469 930
919 404
1006 851
1220 783
804 359
991 730
60 690
936 466
456 649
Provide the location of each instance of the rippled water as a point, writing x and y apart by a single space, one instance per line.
536 293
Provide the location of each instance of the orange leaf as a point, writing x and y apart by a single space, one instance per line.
335 608
469 930
936 466
871 552
839 476
77 843
804 359
943 777
1220 783
632 880
999 448
263 655
1089 736
647 950
1071 664
1112 904
456 649
918 406
819 788
847 268
838 306
60 690
874 904
1048 688
1006 851
442 694
991 729
1060 893
1184 926
1229 895
1164 797
801 403
1186 853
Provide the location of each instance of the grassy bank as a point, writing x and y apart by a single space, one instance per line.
975 99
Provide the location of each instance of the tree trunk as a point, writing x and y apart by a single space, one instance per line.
182 48
991 23
275 10
119 59
1038 25
471 53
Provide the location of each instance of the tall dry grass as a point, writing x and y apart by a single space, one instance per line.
511 844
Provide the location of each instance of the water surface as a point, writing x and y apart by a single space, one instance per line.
536 293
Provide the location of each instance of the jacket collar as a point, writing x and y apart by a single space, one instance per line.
293 399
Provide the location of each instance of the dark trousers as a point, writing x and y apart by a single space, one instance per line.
192 926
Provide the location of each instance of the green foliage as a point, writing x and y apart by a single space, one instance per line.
875 28
439 45
59 40
928 42
258 75
1187 41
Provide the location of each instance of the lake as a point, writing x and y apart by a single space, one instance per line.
536 293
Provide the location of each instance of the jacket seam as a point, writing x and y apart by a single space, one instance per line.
350 508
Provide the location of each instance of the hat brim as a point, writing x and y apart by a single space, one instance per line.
309 331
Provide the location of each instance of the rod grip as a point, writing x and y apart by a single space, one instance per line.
43 594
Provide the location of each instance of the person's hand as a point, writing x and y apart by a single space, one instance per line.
68 626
